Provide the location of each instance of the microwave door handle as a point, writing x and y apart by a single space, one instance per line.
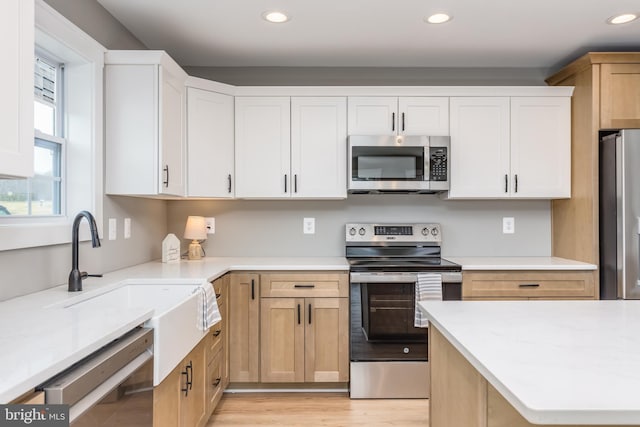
427 163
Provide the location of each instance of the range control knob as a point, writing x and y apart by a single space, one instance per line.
361 231
352 231
425 231
434 231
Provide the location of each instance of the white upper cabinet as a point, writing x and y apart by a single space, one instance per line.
479 155
291 147
210 145
144 124
16 86
510 147
319 147
414 115
541 147
262 160
421 115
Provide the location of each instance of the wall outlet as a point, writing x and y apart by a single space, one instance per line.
113 229
508 225
309 226
211 225
127 228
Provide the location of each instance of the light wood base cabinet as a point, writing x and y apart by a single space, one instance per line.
304 338
244 324
514 285
461 396
180 400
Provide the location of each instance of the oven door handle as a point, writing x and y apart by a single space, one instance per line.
358 277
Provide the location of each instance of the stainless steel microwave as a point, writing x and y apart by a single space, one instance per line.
381 164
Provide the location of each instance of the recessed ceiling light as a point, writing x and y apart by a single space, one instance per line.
438 18
622 19
275 17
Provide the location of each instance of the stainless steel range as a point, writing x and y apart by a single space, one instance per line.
388 354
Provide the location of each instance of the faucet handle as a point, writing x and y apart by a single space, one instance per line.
93 275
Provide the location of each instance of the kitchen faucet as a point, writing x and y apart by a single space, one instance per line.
75 277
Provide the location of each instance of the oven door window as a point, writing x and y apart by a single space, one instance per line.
388 312
388 163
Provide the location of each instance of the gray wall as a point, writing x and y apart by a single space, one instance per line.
371 76
95 20
274 228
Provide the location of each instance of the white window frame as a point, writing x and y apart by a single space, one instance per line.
83 124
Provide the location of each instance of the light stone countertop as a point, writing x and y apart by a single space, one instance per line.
520 263
556 362
39 338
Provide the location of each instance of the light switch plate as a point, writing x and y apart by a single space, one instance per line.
127 228
211 225
309 226
508 225
113 229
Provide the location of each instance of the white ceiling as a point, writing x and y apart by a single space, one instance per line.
378 33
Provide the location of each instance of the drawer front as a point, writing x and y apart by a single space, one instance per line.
528 284
215 380
326 285
217 332
220 290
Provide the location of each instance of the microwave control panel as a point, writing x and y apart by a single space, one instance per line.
438 164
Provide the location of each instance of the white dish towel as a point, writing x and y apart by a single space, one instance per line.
428 287
208 313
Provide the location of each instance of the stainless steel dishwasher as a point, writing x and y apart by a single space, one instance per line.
111 387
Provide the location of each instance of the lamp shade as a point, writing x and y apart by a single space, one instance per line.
196 228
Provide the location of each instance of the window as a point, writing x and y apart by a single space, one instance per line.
68 150
42 194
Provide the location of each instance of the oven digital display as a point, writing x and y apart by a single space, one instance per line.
393 230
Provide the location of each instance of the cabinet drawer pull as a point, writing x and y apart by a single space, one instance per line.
229 179
217 332
506 183
309 313
304 286
285 182
393 122
529 285
218 296
295 183
216 383
253 289
516 183
298 314
166 171
403 122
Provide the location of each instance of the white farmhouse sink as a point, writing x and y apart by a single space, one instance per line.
175 318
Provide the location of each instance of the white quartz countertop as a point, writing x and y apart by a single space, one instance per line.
556 362
520 263
39 338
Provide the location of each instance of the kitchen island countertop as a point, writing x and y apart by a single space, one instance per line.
555 362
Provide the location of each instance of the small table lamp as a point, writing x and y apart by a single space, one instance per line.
196 229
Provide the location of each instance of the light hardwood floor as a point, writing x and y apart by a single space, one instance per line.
317 409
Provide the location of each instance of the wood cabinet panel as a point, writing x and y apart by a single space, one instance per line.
301 285
619 95
215 380
282 340
326 340
528 284
244 327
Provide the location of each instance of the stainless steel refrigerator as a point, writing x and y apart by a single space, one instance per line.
620 215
